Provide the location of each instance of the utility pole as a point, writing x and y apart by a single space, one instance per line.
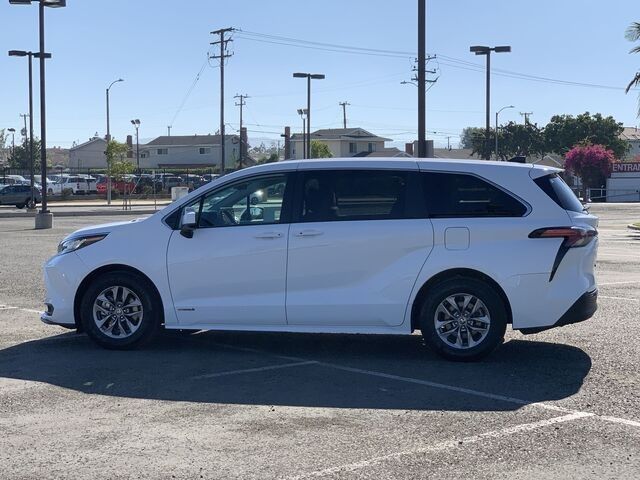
344 113
422 78
526 116
448 143
241 104
222 57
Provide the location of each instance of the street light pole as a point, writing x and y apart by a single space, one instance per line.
302 112
44 219
108 138
498 113
482 50
29 55
309 77
136 124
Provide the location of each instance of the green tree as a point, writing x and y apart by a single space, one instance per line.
116 159
633 35
19 158
320 150
518 139
563 132
470 137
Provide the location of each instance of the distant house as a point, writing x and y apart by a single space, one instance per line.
392 152
189 151
89 154
632 135
342 142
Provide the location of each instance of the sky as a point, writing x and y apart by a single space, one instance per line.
159 47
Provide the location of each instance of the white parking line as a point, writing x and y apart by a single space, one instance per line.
446 445
29 310
618 283
252 370
619 298
443 386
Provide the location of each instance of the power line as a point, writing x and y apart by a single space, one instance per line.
447 60
188 94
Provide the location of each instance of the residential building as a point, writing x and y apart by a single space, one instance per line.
632 135
89 154
180 151
190 151
342 142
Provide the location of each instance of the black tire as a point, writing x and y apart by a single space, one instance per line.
487 295
149 324
20 205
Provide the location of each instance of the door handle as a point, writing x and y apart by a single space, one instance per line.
269 235
308 233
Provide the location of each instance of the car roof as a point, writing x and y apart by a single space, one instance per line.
394 163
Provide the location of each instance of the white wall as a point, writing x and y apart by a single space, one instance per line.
90 155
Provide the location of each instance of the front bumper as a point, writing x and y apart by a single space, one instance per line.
62 276
583 309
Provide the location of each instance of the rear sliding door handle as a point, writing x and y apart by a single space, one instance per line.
308 233
269 235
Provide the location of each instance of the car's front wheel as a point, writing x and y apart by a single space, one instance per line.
463 319
120 310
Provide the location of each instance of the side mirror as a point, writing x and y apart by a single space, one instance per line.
188 223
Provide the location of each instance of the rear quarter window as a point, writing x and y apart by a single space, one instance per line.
555 187
462 195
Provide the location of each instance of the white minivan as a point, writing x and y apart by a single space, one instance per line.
456 249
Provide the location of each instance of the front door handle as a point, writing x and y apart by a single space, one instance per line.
308 233
269 235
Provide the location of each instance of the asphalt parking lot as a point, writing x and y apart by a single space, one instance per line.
560 404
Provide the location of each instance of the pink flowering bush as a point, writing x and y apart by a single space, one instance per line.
592 163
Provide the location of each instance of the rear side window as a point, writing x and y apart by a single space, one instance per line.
466 196
344 195
554 186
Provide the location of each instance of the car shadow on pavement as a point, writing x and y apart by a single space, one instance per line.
342 371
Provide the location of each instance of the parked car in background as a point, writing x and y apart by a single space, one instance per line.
170 182
210 177
121 186
19 195
78 185
456 249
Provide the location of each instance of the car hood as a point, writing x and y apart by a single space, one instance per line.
104 228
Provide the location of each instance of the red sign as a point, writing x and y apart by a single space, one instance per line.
630 167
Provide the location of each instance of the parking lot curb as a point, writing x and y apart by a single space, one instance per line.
101 213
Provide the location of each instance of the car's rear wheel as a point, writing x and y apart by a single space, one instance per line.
120 310
463 319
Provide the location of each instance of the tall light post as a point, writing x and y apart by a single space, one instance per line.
44 219
482 50
30 55
302 112
136 124
309 77
498 113
108 138
13 140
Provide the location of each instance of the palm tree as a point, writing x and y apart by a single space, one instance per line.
633 35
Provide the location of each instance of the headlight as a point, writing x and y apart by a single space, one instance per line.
73 244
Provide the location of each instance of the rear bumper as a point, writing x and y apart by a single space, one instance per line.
583 309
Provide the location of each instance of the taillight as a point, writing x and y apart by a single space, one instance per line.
573 236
